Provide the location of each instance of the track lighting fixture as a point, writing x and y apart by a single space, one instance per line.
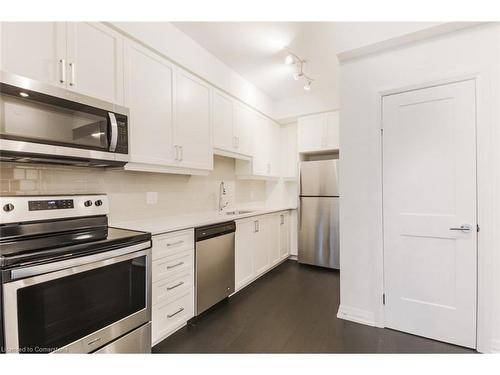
292 58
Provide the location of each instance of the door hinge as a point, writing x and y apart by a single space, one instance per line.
382 131
477 228
383 299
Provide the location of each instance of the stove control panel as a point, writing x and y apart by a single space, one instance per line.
18 209
58 204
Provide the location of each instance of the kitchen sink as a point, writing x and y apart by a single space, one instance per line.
238 212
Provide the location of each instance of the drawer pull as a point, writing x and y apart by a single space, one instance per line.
175 243
175 313
175 265
175 286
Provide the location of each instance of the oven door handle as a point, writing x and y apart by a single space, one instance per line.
114 132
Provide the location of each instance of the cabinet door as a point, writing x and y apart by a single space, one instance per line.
261 157
34 49
274 149
148 95
273 224
95 61
245 123
284 235
243 257
311 133
332 130
192 122
261 259
222 115
288 139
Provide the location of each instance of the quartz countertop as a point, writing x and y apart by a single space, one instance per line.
158 225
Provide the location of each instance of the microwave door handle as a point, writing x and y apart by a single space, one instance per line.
114 132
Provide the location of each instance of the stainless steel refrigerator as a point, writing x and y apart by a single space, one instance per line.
319 213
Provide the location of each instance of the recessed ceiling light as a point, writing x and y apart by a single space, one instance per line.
24 94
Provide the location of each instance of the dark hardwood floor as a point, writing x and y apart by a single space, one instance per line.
292 309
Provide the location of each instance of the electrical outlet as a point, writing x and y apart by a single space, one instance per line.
151 197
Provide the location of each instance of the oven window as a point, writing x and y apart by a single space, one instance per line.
58 312
26 119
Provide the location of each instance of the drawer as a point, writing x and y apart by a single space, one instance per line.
172 243
165 290
167 317
169 266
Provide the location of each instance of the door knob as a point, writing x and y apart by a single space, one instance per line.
466 228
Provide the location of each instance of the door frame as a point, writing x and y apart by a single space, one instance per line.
485 164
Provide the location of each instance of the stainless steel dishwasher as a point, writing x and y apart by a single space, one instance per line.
214 264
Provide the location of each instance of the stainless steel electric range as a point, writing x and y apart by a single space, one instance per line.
69 282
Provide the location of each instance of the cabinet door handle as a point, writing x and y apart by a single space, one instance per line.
72 82
182 153
282 219
175 286
175 243
62 70
175 265
256 226
176 152
175 313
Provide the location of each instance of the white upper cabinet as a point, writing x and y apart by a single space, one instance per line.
223 122
244 125
35 50
95 60
288 148
318 132
332 130
149 97
86 57
192 121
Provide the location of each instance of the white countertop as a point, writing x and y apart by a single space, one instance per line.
158 225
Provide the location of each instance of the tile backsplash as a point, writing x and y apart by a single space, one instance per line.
177 194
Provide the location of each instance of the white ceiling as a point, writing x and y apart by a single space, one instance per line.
255 50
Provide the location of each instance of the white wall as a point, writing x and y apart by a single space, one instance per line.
474 50
178 47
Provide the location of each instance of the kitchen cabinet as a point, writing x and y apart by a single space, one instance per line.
284 235
244 125
149 97
172 282
288 149
265 163
260 244
318 133
95 60
192 122
34 50
85 57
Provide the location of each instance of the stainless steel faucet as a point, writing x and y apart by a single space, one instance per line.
222 192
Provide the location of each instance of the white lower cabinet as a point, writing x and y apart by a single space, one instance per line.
260 244
172 282
285 229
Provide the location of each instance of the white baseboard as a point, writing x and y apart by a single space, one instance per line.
293 257
356 315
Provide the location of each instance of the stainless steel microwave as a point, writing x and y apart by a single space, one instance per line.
47 124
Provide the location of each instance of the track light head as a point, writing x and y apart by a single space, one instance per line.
289 60
307 86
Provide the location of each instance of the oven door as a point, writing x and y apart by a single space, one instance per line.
36 118
78 309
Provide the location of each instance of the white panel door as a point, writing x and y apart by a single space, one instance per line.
35 50
244 242
223 122
331 141
429 179
95 61
148 95
192 121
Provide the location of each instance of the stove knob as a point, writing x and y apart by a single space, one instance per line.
87 203
98 202
8 207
